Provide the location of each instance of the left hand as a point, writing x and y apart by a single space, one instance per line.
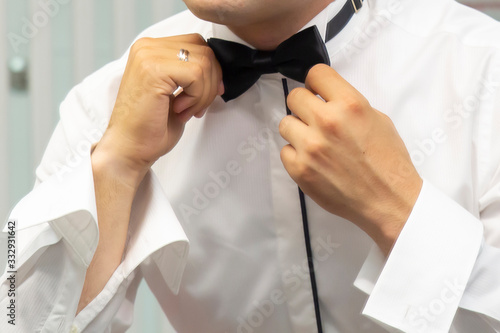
348 157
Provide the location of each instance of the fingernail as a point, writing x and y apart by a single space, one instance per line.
221 88
185 116
201 113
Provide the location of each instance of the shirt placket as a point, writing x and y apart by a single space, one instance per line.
292 256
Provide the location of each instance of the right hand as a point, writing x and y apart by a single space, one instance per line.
147 121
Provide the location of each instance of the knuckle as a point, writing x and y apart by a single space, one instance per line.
303 170
195 38
140 44
329 122
197 71
314 147
199 38
206 61
145 64
209 54
353 104
141 56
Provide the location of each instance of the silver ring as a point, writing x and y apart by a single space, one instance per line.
183 55
177 91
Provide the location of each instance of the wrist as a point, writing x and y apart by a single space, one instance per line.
388 224
110 162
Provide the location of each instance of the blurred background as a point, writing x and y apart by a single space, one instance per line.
47 47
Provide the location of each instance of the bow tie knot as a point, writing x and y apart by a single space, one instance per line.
243 66
263 61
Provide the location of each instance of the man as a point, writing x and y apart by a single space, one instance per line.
412 93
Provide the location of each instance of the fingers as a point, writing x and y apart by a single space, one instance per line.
200 76
288 156
201 113
303 103
208 72
326 82
293 130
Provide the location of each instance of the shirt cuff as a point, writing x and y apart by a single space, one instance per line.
154 232
66 202
419 286
482 294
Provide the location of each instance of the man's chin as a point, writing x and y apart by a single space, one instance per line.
227 12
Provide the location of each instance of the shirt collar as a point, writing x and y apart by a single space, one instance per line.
321 20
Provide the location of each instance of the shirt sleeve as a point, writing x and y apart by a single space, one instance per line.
57 231
439 262
443 273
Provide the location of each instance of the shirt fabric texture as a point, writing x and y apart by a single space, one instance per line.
432 66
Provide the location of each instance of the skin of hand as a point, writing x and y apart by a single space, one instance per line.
348 157
146 123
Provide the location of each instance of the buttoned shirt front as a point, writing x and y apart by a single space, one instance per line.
432 66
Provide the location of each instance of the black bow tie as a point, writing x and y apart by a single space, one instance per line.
243 66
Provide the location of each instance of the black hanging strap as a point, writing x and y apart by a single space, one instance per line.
305 225
333 28
340 20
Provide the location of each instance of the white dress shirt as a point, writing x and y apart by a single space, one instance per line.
433 66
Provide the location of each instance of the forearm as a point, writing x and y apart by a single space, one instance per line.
115 188
146 123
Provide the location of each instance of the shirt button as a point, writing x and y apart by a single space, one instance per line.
73 329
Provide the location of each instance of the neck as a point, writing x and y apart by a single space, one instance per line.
270 32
